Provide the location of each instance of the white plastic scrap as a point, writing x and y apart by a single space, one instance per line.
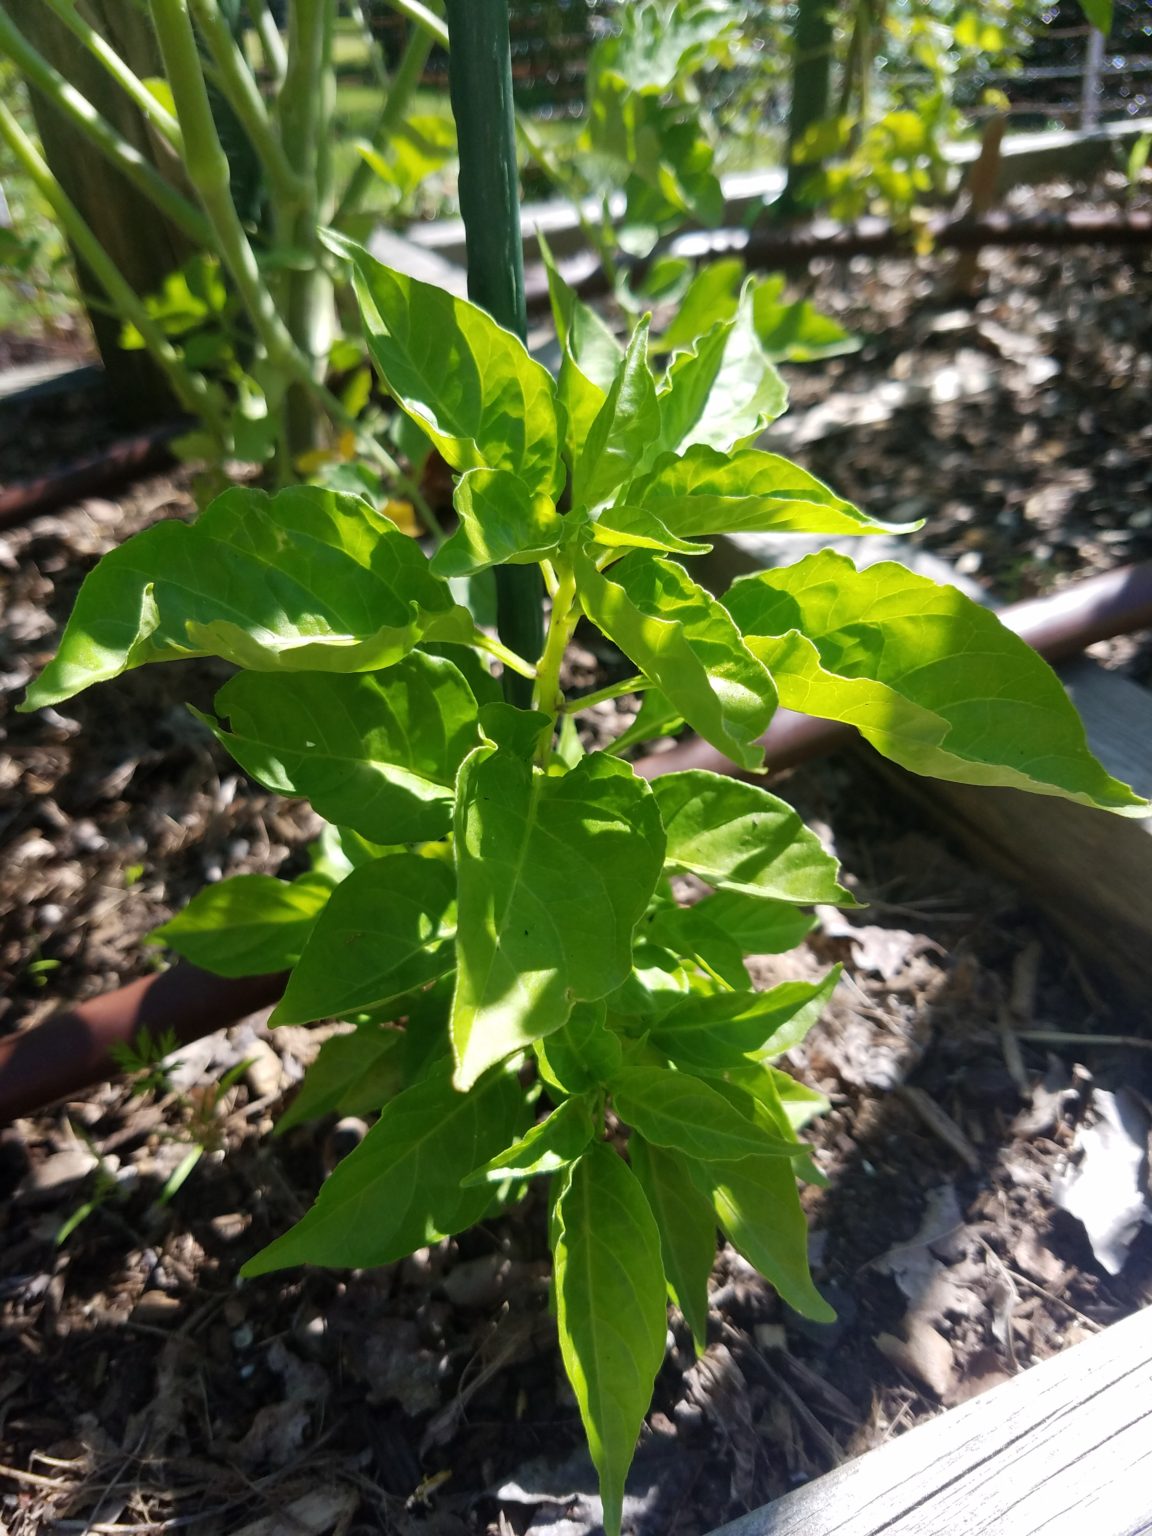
1107 1188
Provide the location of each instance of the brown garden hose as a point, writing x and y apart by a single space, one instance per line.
73 1049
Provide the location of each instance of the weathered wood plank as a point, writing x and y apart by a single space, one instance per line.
1062 1450
1089 871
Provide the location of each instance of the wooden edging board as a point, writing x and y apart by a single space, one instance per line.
1064 1449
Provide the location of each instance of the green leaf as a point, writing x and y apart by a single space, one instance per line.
675 632
712 296
516 730
629 527
656 717
610 1305
251 925
626 424
581 332
931 679
724 1029
758 927
741 838
751 1091
797 332
1099 13
554 875
583 1054
551 1144
377 752
400 1188
758 1205
687 931
306 580
468 383
353 1074
724 392
704 491
383 934
673 1109
502 522
687 1230
799 1102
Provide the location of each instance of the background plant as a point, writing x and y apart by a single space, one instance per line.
490 909
237 126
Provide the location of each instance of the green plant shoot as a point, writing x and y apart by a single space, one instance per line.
492 912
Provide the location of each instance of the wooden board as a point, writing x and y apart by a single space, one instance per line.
1065 1449
1091 872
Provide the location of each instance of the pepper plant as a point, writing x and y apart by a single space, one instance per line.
490 908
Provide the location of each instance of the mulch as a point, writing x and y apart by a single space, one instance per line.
144 1388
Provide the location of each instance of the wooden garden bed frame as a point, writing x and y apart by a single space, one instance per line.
1064 1449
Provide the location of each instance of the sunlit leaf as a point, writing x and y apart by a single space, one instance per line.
554 874
673 630
674 1109
687 1226
385 932
724 392
582 1054
611 1310
306 580
251 925
467 382
740 838
554 1142
722 1030
502 522
758 1205
377 752
624 427
931 679
401 1187
703 491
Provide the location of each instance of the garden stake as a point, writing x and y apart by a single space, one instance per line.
480 78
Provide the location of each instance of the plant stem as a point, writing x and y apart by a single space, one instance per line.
307 106
522 668
546 696
426 19
44 78
128 81
271 43
635 684
375 51
480 80
190 388
404 82
207 167
243 96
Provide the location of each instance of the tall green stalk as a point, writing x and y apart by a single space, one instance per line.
188 386
480 78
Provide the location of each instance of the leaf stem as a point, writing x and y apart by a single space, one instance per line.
496 648
546 695
635 684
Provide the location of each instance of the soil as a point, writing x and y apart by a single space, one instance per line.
144 1388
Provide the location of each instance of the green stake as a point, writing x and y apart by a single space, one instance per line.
480 76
